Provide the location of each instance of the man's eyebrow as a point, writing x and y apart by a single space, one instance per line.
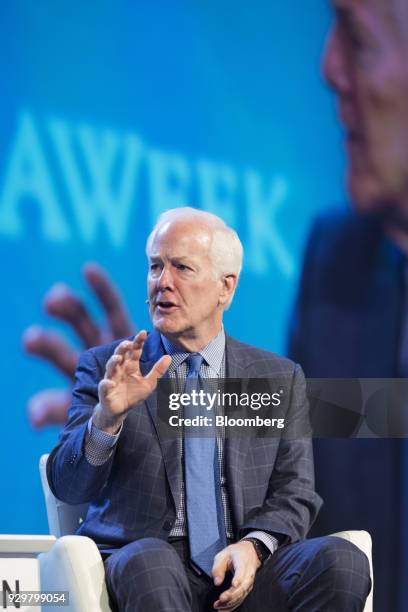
175 258
182 258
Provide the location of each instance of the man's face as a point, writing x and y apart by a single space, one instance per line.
183 291
366 63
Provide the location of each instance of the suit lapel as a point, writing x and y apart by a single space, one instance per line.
236 447
170 447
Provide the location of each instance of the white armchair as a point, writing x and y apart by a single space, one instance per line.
74 563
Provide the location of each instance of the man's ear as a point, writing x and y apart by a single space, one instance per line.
229 284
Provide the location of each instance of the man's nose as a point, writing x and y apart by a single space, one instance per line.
165 280
335 67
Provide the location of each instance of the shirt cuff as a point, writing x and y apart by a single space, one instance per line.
99 445
269 540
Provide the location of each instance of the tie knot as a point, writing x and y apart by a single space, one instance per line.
194 361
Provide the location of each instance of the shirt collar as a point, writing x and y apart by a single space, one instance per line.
213 353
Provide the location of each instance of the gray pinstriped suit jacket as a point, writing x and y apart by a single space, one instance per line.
135 493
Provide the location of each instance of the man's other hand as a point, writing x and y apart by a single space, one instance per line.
50 406
241 559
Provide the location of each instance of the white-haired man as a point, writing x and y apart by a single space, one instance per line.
198 522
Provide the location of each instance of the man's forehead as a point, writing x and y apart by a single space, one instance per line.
185 230
182 239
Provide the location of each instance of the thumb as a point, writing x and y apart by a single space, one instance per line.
159 369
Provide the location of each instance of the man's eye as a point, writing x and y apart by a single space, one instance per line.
154 267
358 38
182 267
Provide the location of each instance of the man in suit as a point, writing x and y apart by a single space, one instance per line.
351 312
203 521
347 324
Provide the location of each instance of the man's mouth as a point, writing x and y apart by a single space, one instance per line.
165 306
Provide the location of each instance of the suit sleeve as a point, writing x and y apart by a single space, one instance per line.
72 478
291 503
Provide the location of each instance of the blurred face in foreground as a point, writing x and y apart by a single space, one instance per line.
366 63
187 296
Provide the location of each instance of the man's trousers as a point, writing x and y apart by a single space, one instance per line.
325 574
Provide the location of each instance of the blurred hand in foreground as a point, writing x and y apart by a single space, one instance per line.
50 406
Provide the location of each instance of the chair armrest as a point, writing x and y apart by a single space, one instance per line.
362 540
26 544
74 564
62 518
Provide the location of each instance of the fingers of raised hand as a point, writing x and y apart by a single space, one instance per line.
49 407
132 349
105 385
158 370
112 370
52 347
128 351
109 297
139 340
125 349
61 302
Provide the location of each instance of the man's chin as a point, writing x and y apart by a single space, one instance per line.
166 325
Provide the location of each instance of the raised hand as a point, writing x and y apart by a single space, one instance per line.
124 386
50 406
